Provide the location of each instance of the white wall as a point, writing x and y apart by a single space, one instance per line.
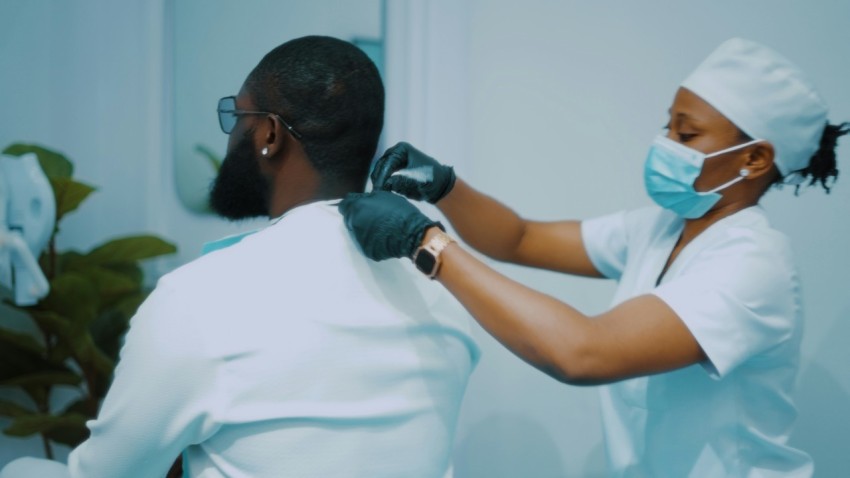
547 105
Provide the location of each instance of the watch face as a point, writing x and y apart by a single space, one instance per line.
425 261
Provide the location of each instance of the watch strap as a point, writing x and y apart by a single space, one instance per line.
434 247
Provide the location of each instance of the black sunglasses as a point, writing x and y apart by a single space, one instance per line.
228 115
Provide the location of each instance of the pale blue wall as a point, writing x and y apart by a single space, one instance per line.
547 105
94 79
565 99
82 77
216 44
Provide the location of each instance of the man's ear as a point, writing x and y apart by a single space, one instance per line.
760 160
273 137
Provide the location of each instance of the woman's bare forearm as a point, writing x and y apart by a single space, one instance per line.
495 230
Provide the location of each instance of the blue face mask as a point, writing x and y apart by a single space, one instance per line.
669 174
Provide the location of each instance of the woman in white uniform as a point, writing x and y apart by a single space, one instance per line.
701 347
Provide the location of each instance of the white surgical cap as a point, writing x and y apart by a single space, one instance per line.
766 96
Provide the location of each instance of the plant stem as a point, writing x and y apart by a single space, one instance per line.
48 449
51 274
91 399
43 406
48 342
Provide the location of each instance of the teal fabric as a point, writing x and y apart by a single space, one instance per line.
224 242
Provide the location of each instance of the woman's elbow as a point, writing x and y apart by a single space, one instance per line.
579 366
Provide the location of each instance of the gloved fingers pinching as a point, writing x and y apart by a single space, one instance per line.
393 159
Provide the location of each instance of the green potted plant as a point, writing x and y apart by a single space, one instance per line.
79 325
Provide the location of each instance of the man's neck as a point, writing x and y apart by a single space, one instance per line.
281 204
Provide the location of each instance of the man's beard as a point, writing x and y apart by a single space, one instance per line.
240 191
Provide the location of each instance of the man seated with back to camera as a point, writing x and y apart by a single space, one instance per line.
286 352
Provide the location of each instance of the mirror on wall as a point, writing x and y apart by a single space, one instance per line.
216 43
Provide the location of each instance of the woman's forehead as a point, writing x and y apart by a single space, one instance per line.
689 106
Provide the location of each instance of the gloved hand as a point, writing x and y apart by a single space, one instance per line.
412 173
385 224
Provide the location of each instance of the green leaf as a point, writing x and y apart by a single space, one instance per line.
80 406
70 429
68 261
130 270
31 373
107 332
71 435
23 366
39 395
12 409
74 297
20 340
27 425
59 327
128 306
130 249
109 328
91 357
60 352
123 272
51 321
45 378
214 159
110 286
18 361
54 164
69 195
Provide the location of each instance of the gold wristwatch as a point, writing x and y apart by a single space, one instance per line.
427 257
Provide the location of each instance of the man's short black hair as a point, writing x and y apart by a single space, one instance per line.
329 91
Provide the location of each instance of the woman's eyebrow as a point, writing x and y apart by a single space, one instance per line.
684 116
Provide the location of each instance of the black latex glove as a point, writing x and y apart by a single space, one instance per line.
412 173
385 224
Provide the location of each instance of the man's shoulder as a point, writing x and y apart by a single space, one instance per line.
306 251
209 267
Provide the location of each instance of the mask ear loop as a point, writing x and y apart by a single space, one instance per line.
733 148
727 184
743 173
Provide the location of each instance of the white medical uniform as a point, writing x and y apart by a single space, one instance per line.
288 354
736 289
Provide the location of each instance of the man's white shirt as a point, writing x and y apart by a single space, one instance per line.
286 354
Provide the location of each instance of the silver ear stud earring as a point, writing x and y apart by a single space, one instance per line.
265 151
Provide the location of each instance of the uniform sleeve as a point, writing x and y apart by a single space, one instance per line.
738 302
161 400
606 241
